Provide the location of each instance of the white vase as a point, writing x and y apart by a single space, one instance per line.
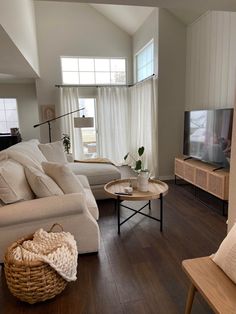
142 181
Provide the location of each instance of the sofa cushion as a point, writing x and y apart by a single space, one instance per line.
13 184
41 184
97 173
63 176
27 153
53 152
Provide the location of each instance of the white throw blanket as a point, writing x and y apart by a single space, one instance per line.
59 250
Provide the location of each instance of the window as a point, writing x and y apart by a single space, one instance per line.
145 62
8 114
93 71
89 134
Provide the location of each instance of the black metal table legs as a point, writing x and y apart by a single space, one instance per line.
119 205
118 214
161 212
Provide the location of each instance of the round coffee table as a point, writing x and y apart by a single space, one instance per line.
156 190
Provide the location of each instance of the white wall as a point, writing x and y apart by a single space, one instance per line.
211 62
211 76
147 32
18 20
171 91
25 95
169 36
73 29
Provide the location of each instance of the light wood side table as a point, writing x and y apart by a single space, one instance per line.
156 190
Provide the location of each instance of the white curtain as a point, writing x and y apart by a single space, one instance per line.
69 101
143 123
127 120
113 123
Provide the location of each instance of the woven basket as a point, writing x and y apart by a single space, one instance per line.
31 281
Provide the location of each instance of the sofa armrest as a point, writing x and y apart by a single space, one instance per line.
43 208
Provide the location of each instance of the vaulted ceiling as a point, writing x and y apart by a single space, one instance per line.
13 65
130 14
223 5
127 14
128 18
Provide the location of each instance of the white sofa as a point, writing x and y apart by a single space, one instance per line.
69 210
98 174
76 212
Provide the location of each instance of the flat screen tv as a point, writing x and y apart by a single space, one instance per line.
207 135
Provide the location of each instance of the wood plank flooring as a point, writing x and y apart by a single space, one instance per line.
138 272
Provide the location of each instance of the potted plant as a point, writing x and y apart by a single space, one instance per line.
138 163
67 145
66 142
143 174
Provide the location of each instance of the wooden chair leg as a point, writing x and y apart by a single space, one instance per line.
189 302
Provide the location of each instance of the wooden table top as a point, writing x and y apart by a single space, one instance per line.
155 188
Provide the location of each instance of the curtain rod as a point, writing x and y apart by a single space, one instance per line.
111 85
84 85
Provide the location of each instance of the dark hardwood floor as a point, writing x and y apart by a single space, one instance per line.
138 272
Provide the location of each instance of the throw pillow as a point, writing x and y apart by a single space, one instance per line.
41 184
23 159
63 176
53 152
13 184
28 149
225 257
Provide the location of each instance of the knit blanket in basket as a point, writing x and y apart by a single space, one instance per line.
59 250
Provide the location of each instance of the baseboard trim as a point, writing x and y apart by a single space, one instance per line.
166 178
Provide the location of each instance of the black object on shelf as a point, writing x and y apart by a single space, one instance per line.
7 140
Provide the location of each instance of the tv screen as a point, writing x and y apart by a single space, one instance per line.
207 135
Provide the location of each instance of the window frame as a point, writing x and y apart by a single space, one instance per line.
136 60
94 58
17 113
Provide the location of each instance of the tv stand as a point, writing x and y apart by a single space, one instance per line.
219 168
187 158
204 176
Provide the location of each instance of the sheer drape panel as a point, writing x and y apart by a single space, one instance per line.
69 101
143 122
112 122
126 120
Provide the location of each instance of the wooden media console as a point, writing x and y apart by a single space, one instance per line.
204 176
